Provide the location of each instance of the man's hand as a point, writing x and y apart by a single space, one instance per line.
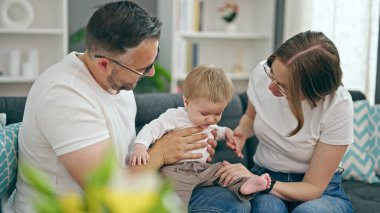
175 146
211 146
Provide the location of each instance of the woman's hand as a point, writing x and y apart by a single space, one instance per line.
231 172
245 128
234 143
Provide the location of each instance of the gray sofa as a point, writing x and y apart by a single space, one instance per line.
365 197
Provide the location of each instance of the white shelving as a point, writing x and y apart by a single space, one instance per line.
32 31
47 35
222 35
236 52
9 80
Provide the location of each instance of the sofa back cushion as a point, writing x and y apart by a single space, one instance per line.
13 107
151 105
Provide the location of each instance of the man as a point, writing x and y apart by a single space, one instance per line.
84 104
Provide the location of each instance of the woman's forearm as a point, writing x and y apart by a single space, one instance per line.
246 126
296 191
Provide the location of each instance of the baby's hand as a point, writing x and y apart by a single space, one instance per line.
233 143
139 155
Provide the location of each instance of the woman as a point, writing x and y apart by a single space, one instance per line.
303 118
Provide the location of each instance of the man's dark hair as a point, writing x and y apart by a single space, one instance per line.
117 26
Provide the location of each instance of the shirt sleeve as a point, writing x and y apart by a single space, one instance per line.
256 81
69 121
220 133
338 127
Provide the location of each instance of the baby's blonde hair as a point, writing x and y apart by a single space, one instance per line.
208 82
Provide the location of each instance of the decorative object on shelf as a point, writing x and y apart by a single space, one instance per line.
238 67
27 70
229 11
16 14
230 27
14 63
30 68
107 189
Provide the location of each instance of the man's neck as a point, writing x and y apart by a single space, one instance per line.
85 58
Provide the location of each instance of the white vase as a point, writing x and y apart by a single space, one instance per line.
230 27
14 62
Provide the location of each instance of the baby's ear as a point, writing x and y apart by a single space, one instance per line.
185 101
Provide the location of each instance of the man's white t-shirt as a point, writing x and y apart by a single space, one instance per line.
330 123
174 119
66 110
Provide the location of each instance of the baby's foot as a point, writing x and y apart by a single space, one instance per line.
255 184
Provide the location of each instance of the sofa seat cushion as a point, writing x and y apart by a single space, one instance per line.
364 197
13 107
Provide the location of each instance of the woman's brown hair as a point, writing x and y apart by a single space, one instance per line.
313 63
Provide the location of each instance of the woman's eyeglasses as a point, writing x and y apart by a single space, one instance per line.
268 71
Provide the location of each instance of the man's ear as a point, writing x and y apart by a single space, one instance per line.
102 64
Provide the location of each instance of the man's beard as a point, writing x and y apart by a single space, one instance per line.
117 85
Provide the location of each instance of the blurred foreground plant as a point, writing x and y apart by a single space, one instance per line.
107 189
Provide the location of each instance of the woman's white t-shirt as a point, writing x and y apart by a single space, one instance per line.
330 123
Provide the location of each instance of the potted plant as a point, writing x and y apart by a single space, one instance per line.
229 12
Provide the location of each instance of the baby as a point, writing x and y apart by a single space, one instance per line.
206 92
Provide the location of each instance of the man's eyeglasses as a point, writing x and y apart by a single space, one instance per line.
146 71
268 71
